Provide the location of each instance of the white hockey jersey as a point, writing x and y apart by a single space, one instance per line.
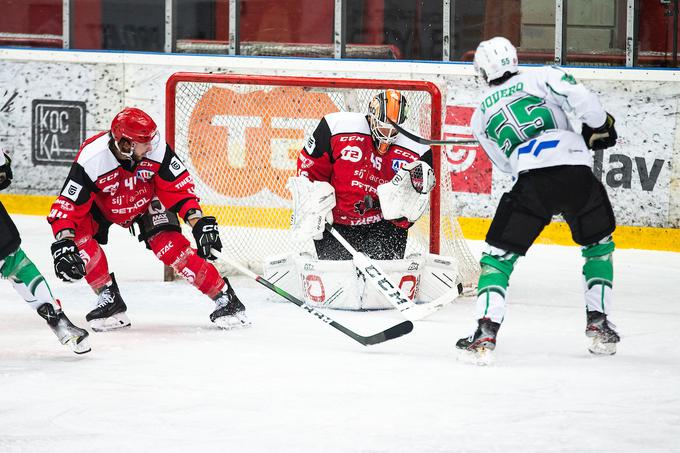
522 124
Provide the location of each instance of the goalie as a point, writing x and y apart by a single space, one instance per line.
357 173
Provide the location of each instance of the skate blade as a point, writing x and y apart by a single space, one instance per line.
81 347
117 321
237 321
479 357
600 348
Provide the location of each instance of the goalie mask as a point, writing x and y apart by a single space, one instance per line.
138 129
494 58
387 104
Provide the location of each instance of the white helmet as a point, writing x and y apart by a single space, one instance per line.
495 57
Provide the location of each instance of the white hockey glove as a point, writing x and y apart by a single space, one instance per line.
313 203
407 194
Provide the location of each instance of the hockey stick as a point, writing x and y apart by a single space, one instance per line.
389 290
425 141
393 332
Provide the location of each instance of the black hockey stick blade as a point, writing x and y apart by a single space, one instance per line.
393 332
425 141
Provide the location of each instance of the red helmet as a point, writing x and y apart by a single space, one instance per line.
134 125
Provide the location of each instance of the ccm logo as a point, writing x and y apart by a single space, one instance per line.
351 153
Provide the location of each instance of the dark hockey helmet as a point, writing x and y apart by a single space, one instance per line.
388 104
134 125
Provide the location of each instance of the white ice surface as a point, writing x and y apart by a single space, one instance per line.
172 383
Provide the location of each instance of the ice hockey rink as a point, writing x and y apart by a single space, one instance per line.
173 383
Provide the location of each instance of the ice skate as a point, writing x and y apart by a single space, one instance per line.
109 314
229 312
602 333
67 333
478 348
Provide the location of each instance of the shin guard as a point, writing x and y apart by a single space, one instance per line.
497 265
27 280
598 275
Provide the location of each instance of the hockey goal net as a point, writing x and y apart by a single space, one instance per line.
240 135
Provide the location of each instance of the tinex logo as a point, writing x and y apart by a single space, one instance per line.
351 153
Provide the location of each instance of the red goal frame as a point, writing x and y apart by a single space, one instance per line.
325 82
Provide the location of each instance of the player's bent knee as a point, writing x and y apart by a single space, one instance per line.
598 266
497 266
171 247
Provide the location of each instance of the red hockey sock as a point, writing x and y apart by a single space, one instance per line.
174 250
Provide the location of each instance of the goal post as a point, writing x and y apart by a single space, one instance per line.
239 136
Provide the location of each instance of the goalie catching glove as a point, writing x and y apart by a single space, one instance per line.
601 137
313 203
407 194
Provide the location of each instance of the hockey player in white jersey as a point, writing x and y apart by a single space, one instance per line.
27 280
522 124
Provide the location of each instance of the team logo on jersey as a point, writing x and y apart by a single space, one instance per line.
351 153
360 207
310 144
72 190
176 166
145 175
397 164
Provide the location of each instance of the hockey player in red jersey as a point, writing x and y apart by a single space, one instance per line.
27 280
128 177
356 172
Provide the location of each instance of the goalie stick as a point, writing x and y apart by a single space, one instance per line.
425 141
388 289
392 332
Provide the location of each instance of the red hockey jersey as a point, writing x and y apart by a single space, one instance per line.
121 191
341 152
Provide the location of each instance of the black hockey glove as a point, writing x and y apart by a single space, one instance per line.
68 265
207 236
6 173
602 137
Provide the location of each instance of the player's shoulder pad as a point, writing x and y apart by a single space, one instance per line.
347 122
171 166
555 72
405 142
96 158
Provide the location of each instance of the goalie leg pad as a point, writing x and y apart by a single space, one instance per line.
598 275
497 266
281 270
174 250
330 284
440 274
406 274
